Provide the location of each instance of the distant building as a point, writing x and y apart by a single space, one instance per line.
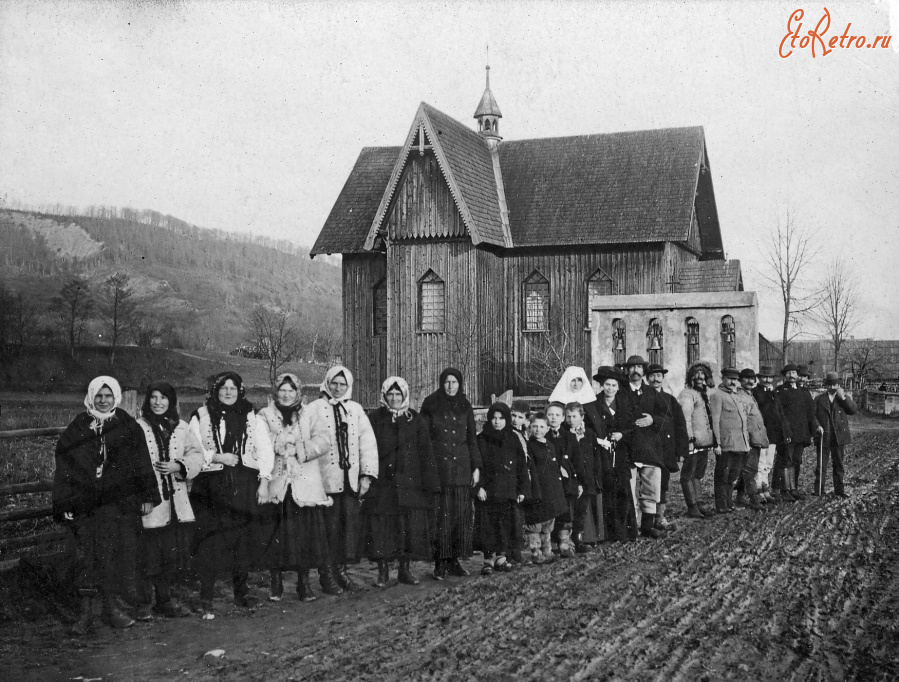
509 259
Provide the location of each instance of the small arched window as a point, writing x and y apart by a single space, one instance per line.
692 336
379 308
728 342
619 341
536 303
654 340
431 303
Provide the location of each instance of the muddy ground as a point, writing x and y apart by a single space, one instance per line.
808 591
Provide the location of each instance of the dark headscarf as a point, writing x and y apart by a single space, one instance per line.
488 431
458 401
162 425
235 416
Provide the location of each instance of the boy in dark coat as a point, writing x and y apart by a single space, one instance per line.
833 435
566 448
540 514
504 484
588 527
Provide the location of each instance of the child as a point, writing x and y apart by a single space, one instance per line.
520 427
566 447
540 515
502 487
588 520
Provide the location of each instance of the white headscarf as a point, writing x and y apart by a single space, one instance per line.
400 383
326 389
562 393
94 388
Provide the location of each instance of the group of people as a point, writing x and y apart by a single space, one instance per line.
297 486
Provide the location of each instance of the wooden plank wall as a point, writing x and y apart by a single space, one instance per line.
423 206
364 353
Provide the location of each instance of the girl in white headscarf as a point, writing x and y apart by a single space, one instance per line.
103 483
398 512
349 468
298 533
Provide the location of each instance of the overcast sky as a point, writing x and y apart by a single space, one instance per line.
249 116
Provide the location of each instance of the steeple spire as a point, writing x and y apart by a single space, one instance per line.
488 114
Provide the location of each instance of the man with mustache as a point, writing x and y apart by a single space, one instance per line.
833 435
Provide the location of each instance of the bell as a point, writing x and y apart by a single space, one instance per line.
619 345
655 345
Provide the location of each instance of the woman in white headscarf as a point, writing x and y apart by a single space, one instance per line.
103 483
575 387
298 534
348 470
398 512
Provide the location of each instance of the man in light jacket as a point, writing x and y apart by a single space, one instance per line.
833 434
730 423
694 402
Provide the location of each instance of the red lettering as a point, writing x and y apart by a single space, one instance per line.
818 34
797 15
833 41
886 41
860 41
803 42
845 33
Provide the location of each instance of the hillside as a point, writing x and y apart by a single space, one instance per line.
200 283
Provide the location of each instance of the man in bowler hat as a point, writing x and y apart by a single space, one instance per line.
832 432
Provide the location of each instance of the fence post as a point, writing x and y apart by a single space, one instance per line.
129 402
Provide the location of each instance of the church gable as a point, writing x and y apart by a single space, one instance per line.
423 206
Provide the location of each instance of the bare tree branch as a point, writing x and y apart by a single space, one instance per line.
837 312
275 338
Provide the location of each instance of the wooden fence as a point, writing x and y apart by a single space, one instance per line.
129 404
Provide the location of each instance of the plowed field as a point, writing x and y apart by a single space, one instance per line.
807 591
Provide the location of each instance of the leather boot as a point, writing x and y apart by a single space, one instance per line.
383 574
276 585
647 526
86 613
405 575
113 615
344 579
661 523
729 496
754 504
328 580
304 587
697 495
439 570
453 567
721 499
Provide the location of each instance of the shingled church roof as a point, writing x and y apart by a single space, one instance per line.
588 189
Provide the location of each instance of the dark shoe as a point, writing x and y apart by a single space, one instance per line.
455 568
405 574
207 610
724 510
383 574
797 494
439 572
327 578
344 580
85 616
584 549
694 513
647 527
114 616
787 496
172 609
753 503
304 588
143 613
246 601
742 500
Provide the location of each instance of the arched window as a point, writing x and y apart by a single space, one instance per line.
431 303
379 308
692 341
536 303
728 342
654 342
598 284
619 341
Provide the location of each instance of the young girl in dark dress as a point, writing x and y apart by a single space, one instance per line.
398 512
102 485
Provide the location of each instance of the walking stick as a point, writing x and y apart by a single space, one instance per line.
821 472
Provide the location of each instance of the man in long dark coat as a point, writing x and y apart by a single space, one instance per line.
833 434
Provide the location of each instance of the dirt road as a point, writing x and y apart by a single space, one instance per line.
809 591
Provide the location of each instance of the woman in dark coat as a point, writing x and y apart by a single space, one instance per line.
451 425
618 510
103 483
227 492
398 511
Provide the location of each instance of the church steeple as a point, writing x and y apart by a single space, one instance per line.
488 115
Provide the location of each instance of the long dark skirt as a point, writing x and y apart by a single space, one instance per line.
165 551
497 520
342 521
455 520
618 508
106 550
300 537
588 518
408 534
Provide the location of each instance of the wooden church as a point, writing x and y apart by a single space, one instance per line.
463 249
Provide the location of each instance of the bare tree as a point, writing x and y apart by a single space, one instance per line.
275 336
549 355
788 252
75 305
119 309
865 360
837 311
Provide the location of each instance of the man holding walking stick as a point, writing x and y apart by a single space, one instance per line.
831 410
